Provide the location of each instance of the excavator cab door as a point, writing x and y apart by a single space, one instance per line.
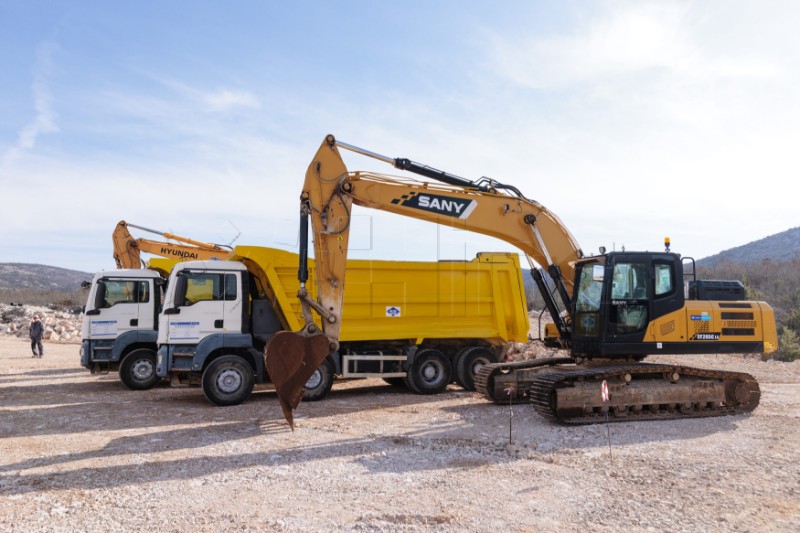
629 302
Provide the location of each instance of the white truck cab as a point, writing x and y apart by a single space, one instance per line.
213 329
205 300
119 325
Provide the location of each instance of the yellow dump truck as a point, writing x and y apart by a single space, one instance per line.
422 324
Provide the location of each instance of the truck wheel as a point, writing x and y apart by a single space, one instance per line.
228 380
319 384
455 362
468 364
430 373
138 370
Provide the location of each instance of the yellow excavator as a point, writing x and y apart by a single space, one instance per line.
610 310
128 249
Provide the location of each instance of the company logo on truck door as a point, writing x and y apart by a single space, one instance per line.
441 205
180 253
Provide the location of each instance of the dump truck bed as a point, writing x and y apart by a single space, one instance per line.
412 300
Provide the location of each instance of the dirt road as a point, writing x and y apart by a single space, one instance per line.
81 452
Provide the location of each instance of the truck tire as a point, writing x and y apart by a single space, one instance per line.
138 370
455 361
228 380
319 384
430 373
469 362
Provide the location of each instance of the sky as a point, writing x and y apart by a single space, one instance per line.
631 121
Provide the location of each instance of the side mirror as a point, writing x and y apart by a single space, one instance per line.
100 295
180 290
598 272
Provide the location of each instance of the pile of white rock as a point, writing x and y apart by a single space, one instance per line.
519 351
59 325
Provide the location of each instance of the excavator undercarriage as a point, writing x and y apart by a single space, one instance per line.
563 390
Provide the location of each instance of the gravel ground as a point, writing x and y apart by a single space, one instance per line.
80 452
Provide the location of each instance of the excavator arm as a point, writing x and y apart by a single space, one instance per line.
128 249
484 206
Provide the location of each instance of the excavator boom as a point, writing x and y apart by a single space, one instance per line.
128 249
329 191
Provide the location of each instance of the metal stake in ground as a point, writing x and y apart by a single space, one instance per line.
605 396
510 390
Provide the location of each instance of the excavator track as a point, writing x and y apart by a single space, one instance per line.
642 392
508 382
562 390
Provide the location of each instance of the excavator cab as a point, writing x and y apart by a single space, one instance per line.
617 297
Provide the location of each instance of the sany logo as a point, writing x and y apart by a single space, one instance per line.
443 205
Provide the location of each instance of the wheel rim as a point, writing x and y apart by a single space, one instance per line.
478 364
431 372
142 370
315 380
229 381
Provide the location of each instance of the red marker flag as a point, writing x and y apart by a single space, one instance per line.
604 391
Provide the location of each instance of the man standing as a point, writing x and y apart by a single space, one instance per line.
36 332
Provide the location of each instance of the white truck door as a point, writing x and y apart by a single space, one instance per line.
208 308
146 299
232 317
119 310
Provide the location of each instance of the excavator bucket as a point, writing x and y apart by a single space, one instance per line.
291 359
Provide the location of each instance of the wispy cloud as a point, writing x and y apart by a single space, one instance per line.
45 119
226 99
214 100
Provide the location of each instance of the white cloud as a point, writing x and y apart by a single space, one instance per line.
678 114
636 38
216 100
225 99
45 119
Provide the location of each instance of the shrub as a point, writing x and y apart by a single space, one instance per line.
789 346
10 315
42 298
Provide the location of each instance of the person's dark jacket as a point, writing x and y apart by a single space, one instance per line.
36 331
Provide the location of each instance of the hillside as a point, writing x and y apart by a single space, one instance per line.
26 276
779 247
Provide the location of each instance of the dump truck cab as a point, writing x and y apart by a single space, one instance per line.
119 325
213 329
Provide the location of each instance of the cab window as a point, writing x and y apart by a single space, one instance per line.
125 291
630 282
210 287
664 278
588 300
629 304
